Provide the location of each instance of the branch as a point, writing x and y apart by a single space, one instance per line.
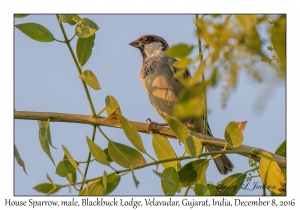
141 127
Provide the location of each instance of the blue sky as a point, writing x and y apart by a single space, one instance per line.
46 80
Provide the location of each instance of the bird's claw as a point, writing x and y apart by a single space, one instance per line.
152 125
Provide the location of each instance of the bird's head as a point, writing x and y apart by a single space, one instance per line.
150 45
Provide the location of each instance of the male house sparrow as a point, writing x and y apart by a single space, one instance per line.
156 75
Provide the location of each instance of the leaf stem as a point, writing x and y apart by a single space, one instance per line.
105 136
186 191
102 110
251 177
86 161
150 156
59 41
253 169
264 193
72 37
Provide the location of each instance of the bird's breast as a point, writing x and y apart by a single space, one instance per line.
162 90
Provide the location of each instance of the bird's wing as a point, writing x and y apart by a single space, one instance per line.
186 74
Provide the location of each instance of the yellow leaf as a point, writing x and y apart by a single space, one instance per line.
271 174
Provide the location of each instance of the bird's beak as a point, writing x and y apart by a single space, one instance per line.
135 44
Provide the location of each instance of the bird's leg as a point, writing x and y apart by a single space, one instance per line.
153 125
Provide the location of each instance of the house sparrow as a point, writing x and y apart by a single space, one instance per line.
157 76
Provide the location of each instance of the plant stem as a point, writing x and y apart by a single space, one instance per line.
203 79
88 159
166 160
78 67
253 169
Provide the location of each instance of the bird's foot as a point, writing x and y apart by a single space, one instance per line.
152 125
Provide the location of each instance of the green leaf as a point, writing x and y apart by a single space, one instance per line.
190 101
111 104
164 177
179 51
215 15
252 39
112 183
20 15
104 181
45 137
72 177
36 31
163 150
254 42
18 159
97 152
192 172
16 153
182 63
193 146
69 156
201 188
93 188
271 175
124 155
90 79
96 187
86 28
108 158
169 188
233 134
44 143
84 49
47 188
70 19
136 182
281 150
131 133
45 133
213 189
214 77
178 128
42 124
64 167
231 184
278 38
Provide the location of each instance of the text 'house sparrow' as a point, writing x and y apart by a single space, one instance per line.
157 76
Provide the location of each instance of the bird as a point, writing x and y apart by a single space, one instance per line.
157 77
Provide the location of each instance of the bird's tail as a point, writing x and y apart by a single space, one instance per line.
223 163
